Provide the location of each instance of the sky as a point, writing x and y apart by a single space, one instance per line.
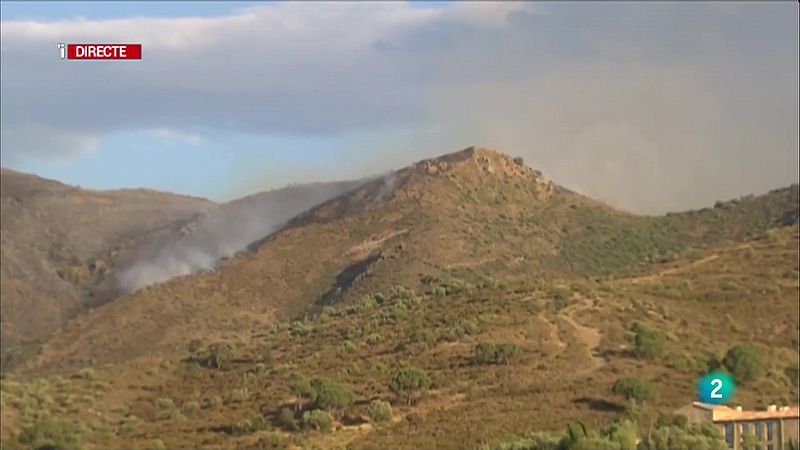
648 106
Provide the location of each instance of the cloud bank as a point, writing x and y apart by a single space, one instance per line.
648 106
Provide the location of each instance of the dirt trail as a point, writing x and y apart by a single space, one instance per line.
690 265
674 270
588 336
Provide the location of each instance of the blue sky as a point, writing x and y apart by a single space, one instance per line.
203 168
58 10
62 10
648 106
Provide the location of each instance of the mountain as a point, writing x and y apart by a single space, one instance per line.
59 243
469 215
67 249
426 267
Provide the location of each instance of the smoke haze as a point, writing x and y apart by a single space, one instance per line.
649 106
225 231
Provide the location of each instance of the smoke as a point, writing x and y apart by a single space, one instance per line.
225 231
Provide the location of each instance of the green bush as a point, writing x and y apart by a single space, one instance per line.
409 382
506 352
317 420
304 391
745 363
217 356
331 395
751 442
379 411
675 438
487 352
286 419
793 372
249 426
484 352
636 389
50 433
648 343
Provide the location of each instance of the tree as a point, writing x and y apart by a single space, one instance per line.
648 343
331 395
745 362
409 382
379 411
636 389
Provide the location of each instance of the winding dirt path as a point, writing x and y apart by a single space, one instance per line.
590 337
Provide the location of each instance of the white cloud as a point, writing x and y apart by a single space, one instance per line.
177 136
685 99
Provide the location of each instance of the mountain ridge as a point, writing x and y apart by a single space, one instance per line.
486 212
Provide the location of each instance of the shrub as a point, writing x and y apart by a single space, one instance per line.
164 403
286 419
194 345
675 438
636 389
249 426
750 442
49 433
648 343
506 351
303 390
409 382
745 362
400 292
486 352
793 372
331 395
216 356
379 411
317 420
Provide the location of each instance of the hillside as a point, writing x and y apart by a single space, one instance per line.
223 231
60 242
573 336
477 215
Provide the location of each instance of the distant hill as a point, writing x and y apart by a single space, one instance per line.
59 243
475 215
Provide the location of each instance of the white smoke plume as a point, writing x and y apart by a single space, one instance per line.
225 231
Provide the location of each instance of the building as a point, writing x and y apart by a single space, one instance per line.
776 427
